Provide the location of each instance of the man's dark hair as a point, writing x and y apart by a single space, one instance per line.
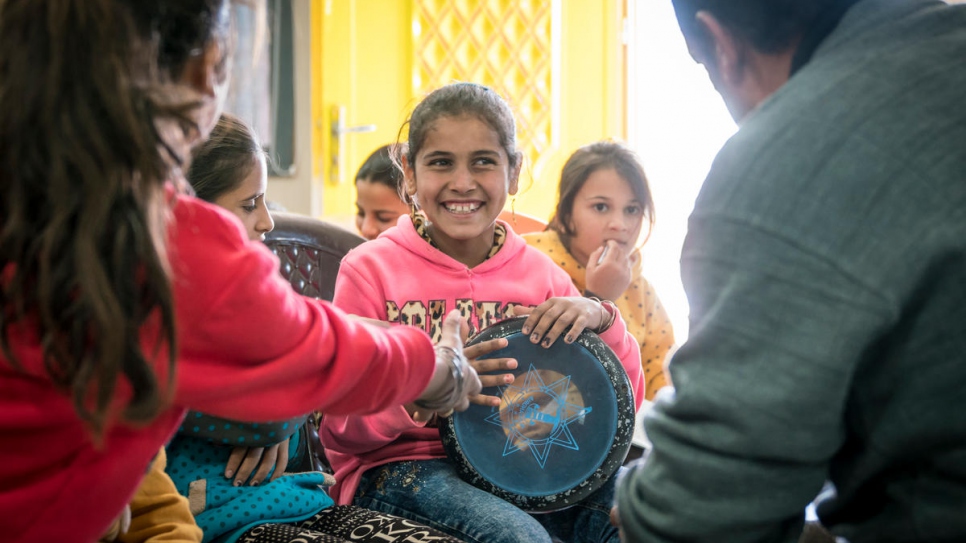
771 26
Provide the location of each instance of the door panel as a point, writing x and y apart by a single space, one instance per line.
559 64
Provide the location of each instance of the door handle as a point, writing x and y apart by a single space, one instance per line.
337 146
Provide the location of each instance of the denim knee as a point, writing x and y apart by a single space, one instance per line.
430 492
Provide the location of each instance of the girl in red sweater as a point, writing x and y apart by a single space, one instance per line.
122 302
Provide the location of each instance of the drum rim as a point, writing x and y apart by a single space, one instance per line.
615 458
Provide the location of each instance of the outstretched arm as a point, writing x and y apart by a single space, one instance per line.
251 349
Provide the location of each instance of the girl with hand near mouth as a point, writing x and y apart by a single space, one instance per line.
603 202
460 165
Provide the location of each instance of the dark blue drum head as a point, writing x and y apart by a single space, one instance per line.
564 426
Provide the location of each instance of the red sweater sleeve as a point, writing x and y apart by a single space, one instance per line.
252 349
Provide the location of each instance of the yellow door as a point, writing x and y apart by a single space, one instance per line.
560 64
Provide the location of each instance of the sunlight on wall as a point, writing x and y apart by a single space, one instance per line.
677 123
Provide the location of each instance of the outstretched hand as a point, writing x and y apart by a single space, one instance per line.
453 382
486 367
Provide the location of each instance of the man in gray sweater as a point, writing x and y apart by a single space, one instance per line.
825 265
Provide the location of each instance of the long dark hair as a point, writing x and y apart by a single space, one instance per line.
83 167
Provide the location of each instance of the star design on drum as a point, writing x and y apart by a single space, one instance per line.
536 416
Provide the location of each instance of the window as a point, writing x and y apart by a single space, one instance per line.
677 123
262 85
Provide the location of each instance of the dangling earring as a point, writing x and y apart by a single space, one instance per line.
513 211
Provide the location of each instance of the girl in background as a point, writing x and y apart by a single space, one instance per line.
157 513
603 202
460 166
123 302
378 194
230 171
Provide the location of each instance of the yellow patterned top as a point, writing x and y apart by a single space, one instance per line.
639 306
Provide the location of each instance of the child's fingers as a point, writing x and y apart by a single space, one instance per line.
558 316
541 320
464 331
269 457
282 463
451 330
574 319
519 311
484 365
596 257
483 399
496 380
533 323
484 348
248 465
235 460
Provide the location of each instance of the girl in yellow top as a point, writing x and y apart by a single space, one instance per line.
602 204
156 514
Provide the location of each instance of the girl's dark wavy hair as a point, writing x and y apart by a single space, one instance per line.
84 90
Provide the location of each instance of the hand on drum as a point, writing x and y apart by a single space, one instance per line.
488 365
548 321
455 380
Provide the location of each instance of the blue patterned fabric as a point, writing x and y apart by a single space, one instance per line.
224 511
249 434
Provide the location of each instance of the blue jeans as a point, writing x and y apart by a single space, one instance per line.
430 492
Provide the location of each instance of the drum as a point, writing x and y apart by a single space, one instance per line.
563 428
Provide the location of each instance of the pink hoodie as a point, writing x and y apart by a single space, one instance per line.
401 278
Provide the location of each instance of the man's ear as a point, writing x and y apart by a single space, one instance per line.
201 71
721 50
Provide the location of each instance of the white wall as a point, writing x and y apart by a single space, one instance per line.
676 123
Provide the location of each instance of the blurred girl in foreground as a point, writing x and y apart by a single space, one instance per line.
123 302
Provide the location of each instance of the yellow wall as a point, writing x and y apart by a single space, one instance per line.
361 57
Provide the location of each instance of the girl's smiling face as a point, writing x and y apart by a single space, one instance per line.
605 208
460 179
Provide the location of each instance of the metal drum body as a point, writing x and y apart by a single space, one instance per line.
562 430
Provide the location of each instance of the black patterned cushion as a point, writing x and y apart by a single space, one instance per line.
309 251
